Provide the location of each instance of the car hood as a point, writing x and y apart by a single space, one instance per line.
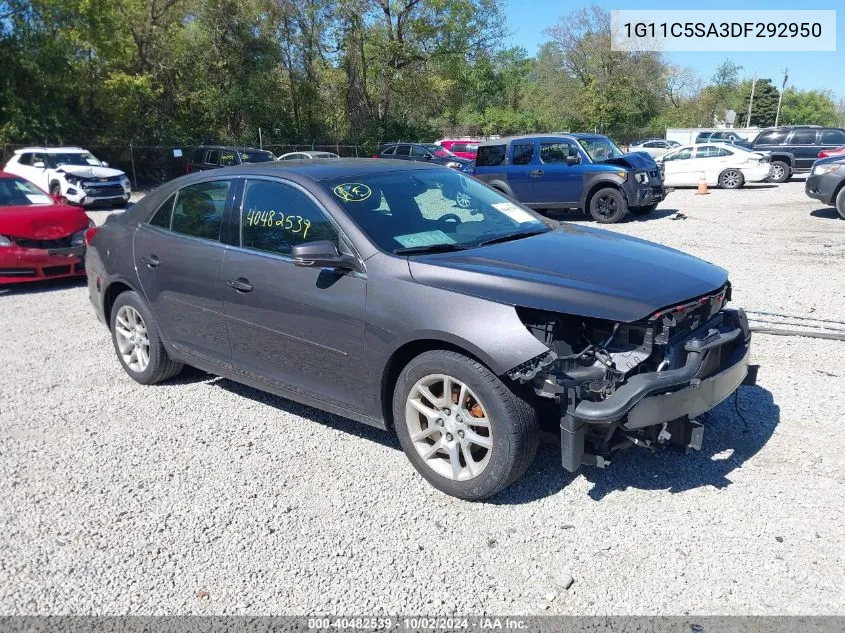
634 160
89 171
574 270
41 222
451 159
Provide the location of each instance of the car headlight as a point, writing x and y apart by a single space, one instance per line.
124 181
828 168
641 177
5 241
73 180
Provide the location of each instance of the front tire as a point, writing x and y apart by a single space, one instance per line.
780 172
137 342
840 203
731 179
608 206
463 429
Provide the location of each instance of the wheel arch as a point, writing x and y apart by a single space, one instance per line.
410 350
113 290
595 187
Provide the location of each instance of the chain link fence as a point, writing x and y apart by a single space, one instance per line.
150 165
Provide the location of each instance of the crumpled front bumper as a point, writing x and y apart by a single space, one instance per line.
19 265
644 195
717 362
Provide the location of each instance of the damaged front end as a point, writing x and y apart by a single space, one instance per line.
640 383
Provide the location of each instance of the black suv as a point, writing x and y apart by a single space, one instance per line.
214 156
428 152
794 148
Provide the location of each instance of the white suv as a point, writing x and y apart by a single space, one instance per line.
71 173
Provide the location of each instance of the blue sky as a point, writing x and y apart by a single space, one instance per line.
527 19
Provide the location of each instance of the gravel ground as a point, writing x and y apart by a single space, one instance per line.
203 496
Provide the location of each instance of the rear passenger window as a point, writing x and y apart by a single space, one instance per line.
803 137
162 216
403 150
198 211
198 156
389 151
833 137
522 153
276 217
213 157
490 155
460 147
775 137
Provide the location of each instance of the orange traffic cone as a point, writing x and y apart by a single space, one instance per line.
702 186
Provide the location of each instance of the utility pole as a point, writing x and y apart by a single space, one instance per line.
751 102
780 98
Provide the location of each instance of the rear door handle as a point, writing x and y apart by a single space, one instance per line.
535 173
240 284
151 262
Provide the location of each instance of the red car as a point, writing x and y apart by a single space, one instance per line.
463 147
39 238
827 153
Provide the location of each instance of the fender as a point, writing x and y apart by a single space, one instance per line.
593 181
785 157
502 186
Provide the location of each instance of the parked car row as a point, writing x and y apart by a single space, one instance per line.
826 182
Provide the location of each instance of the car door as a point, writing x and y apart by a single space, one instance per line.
557 181
294 327
418 152
678 167
831 139
520 179
178 256
709 160
803 143
22 166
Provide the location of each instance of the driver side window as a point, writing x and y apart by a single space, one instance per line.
275 217
683 154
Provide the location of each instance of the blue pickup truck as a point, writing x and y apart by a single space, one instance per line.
572 171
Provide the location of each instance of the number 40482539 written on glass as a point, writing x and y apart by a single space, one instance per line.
292 223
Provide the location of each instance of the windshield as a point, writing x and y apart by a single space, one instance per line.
600 148
429 209
251 156
437 150
18 192
82 159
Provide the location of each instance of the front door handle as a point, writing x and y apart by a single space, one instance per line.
151 262
240 284
536 173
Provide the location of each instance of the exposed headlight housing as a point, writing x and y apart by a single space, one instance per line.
828 168
73 180
5 241
641 177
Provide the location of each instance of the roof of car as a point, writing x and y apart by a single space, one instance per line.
525 137
50 150
310 153
318 168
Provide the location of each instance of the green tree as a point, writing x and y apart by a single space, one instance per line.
808 107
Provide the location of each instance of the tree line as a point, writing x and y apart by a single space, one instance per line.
193 71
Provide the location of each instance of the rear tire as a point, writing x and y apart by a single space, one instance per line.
780 172
840 203
608 206
136 339
731 179
639 211
438 431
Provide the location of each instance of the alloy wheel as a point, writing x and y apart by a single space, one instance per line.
777 172
449 428
133 341
730 179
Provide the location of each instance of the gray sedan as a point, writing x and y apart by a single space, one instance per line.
414 298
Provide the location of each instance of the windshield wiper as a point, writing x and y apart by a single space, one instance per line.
514 236
430 248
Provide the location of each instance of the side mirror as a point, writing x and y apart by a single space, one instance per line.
573 160
39 164
321 254
104 163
